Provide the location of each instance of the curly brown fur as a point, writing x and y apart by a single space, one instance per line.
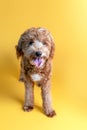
36 49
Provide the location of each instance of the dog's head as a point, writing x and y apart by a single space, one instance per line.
36 44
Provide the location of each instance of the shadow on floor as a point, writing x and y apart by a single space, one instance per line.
9 73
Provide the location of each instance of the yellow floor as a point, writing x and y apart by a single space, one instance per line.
67 20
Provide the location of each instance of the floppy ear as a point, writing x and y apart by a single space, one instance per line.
52 47
18 47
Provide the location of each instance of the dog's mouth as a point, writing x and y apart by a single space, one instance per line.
38 62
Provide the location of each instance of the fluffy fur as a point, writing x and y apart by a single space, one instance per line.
36 49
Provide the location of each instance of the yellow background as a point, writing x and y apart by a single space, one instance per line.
67 20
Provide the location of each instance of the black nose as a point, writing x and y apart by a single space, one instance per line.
38 53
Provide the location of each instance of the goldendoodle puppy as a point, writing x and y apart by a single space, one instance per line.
36 49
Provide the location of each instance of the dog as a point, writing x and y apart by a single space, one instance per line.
36 50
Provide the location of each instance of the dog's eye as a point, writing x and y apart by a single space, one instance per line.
31 42
44 43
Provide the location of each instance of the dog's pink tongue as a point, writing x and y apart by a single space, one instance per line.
38 62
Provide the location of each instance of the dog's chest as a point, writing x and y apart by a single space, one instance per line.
36 77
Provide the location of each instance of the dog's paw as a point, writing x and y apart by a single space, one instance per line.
27 108
51 114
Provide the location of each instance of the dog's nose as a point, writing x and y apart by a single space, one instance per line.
38 53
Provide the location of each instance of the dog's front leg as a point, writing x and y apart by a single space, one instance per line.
47 101
29 96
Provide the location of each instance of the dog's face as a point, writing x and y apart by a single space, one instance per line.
37 52
36 44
